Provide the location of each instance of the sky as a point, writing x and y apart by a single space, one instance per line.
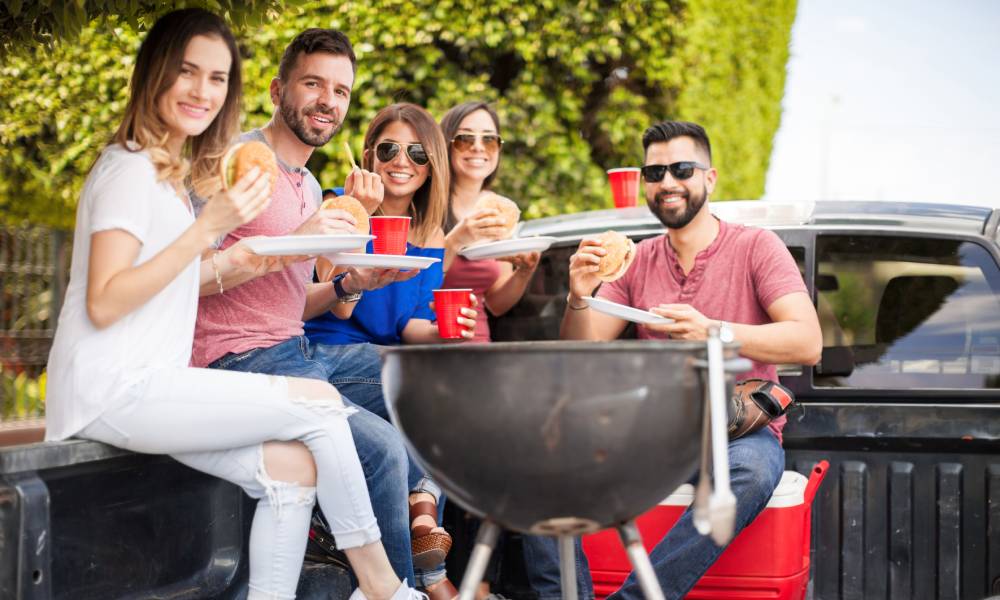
891 100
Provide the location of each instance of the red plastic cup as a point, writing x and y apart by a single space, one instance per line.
448 305
390 234
624 186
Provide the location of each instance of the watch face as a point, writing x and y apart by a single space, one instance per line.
725 333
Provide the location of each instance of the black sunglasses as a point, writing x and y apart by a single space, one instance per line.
464 141
678 170
387 151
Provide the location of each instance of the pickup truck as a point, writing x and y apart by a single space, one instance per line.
904 405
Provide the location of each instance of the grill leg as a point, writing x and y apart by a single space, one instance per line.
567 567
486 541
640 561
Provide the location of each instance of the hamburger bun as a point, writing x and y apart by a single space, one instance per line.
620 254
242 157
324 268
508 211
353 207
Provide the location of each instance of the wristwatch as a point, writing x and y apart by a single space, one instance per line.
726 335
342 296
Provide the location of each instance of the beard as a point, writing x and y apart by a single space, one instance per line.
297 122
668 215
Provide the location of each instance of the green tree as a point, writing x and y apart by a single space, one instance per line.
44 22
575 85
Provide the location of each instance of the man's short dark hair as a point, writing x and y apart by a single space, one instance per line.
316 40
668 130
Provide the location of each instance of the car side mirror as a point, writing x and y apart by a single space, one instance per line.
836 361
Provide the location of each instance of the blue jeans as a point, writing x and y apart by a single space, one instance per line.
756 463
541 565
355 371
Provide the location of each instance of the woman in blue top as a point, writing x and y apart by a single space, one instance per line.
405 147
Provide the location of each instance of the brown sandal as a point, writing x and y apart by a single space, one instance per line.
429 547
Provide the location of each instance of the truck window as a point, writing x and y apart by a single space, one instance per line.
904 313
799 254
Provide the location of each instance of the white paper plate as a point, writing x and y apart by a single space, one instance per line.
294 245
507 247
625 312
386 261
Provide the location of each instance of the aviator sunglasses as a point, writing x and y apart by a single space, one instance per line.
387 151
678 170
464 141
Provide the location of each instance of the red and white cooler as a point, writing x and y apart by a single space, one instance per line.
768 559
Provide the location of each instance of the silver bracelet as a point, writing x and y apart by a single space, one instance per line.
343 297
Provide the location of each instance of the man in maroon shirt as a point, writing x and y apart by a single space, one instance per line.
703 272
256 323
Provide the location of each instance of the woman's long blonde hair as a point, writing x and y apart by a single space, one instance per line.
430 203
156 69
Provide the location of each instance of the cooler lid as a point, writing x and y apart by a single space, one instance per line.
790 492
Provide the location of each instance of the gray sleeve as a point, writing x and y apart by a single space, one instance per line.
317 189
197 202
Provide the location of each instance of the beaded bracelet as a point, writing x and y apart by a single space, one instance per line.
215 267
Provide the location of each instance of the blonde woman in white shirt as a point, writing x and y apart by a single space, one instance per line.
118 370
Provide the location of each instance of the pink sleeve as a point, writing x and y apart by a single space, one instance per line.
775 273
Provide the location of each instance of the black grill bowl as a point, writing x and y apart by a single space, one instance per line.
551 437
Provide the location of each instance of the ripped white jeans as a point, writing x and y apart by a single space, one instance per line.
216 422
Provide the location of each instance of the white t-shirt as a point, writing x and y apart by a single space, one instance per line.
90 369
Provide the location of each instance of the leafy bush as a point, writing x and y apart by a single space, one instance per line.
21 396
44 22
575 85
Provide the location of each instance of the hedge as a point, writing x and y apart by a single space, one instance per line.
575 85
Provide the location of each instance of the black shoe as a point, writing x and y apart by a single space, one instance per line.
321 548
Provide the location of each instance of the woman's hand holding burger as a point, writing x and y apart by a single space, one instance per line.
493 218
483 225
247 173
239 204
503 216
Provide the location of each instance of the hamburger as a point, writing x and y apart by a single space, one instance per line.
620 254
242 157
509 213
353 206
324 268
